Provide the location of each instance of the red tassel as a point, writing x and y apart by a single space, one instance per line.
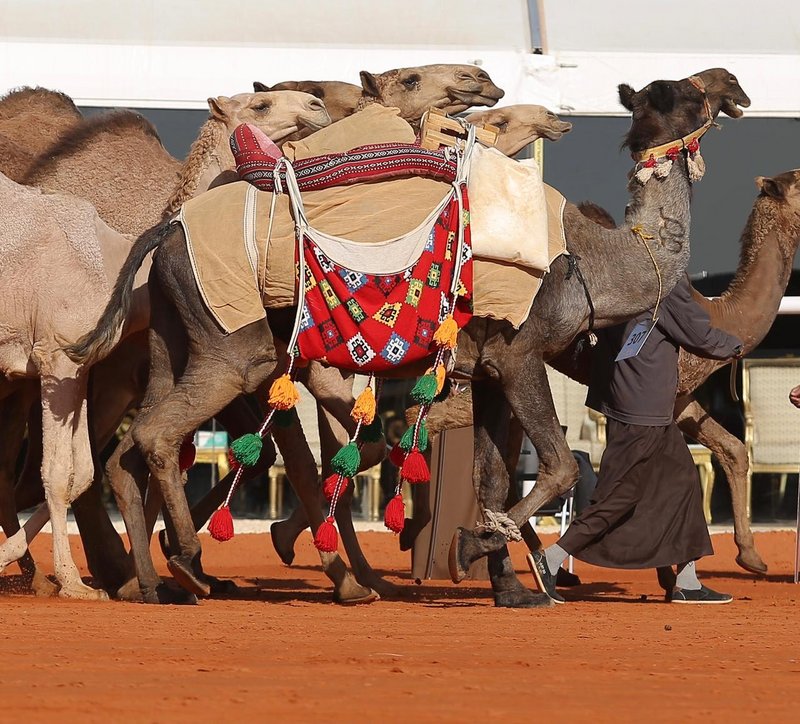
397 455
394 517
187 454
327 539
415 469
232 461
329 486
221 524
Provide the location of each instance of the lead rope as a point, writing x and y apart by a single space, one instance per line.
639 231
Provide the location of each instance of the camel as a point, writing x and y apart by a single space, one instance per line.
58 262
116 160
747 308
452 88
520 125
506 368
278 114
14 159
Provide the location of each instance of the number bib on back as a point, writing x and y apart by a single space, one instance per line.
370 322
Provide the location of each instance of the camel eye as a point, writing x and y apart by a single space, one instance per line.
551 116
411 82
261 107
502 126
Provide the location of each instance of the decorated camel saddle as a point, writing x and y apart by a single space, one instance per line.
371 237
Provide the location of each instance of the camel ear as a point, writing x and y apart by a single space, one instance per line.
772 187
662 96
370 84
626 94
260 87
220 107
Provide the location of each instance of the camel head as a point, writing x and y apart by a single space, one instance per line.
724 92
666 110
453 88
520 125
784 190
279 114
340 99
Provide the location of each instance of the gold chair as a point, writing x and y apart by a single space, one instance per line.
770 419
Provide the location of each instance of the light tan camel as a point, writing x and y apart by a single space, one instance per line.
57 266
521 125
117 162
451 87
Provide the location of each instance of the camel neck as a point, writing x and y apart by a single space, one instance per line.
208 157
659 211
749 305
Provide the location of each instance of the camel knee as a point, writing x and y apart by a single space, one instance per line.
157 448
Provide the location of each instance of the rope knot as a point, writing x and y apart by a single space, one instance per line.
499 522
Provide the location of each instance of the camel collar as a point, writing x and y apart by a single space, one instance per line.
658 159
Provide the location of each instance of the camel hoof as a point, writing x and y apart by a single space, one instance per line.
165 594
522 598
42 586
183 572
467 547
13 549
284 548
221 586
369 597
131 592
384 588
751 561
163 543
82 592
409 534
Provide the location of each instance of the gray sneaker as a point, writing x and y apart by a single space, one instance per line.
545 581
701 595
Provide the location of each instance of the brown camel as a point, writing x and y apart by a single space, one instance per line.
747 308
506 368
452 88
116 160
14 159
519 126
58 261
128 136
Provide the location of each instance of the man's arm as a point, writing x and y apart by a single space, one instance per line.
686 323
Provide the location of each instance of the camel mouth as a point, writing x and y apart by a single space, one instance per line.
312 124
730 107
554 133
475 98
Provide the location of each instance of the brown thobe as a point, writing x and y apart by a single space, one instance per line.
646 510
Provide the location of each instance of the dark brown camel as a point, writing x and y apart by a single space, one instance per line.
506 367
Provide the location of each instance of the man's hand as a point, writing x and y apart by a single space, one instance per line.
794 396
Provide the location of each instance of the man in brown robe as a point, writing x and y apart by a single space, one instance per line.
646 511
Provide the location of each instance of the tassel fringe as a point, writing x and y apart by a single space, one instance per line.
415 469
221 524
283 394
447 333
365 407
394 517
327 538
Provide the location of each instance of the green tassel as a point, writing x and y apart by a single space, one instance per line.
247 449
285 418
372 432
425 390
347 461
407 441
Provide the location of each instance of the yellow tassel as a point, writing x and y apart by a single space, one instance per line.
283 395
440 374
364 409
447 333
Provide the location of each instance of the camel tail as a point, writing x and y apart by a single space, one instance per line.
101 340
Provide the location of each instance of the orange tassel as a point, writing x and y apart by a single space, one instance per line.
221 524
283 394
327 539
415 469
440 375
447 334
365 407
394 517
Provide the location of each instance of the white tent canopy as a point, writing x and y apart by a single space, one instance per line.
175 54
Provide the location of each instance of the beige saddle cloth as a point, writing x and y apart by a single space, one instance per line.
239 272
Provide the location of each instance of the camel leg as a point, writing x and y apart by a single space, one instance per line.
732 456
302 471
491 415
14 411
67 465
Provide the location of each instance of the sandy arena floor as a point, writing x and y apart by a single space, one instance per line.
280 651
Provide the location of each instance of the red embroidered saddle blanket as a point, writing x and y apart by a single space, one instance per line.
370 307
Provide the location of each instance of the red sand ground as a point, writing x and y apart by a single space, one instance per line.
281 651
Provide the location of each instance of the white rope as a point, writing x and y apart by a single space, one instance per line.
501 523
